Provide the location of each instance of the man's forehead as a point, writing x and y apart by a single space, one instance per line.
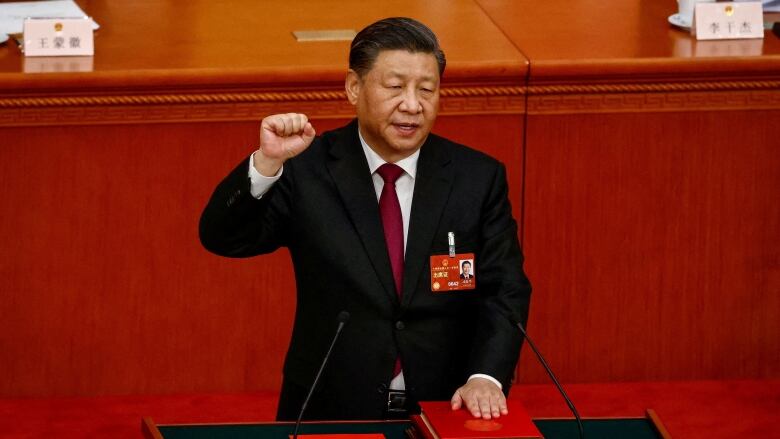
402 63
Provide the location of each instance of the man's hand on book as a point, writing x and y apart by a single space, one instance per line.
482 398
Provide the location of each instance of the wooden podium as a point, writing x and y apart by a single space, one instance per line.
649 427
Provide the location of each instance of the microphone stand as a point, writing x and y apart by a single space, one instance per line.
343 317
554 380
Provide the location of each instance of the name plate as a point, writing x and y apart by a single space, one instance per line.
728 21
58 37
57 64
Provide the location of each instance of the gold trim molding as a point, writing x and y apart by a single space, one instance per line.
197 107
221 98
653 102
653 97
456 100
664 87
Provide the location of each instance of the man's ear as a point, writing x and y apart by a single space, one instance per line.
352 86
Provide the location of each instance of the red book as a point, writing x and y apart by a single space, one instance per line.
439 421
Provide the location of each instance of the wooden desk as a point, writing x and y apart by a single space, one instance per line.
651 221
239 60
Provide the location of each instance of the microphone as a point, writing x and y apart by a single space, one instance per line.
343 318
554 380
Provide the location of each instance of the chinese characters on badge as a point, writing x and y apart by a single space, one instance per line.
728 21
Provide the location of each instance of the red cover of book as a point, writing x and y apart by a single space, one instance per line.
444 423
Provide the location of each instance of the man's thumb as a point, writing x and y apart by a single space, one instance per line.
308 133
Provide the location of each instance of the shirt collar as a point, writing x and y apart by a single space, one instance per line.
409 164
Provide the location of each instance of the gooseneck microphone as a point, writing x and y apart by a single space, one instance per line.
343 318
554 380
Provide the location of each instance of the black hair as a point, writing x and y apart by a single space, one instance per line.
464 263
395 33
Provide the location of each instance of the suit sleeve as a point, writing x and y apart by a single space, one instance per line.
506 289
235 224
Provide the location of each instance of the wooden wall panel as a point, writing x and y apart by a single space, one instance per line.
105 287
108 288
651 240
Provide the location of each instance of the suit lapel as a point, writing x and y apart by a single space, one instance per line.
349 169
431 192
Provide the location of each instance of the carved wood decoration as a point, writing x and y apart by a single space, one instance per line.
461 100
642 97
181 107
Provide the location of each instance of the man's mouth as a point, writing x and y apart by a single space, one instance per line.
406 127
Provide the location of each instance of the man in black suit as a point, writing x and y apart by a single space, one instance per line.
365 246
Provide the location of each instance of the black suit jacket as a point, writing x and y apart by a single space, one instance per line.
324 209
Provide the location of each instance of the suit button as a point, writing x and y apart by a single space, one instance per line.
399 325
382 388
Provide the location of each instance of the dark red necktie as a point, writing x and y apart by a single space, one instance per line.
393 224
392 221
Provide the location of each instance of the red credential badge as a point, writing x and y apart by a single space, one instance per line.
453 273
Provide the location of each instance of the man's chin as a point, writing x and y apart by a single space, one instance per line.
409 144
407 149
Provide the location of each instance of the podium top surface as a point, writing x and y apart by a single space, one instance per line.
581 38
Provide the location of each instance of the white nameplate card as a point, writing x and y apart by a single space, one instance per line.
728 21
58 37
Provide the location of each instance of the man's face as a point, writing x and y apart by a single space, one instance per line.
396 101
466 268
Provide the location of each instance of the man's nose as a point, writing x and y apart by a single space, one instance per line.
411 102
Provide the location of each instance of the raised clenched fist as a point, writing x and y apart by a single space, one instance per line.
282 137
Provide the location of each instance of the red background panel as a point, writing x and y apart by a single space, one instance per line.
649 242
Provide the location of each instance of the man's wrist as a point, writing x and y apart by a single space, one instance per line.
265 166
487 377
258 183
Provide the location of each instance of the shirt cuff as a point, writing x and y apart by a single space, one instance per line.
259 183
487 377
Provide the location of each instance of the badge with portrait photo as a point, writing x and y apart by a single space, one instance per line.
453 273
